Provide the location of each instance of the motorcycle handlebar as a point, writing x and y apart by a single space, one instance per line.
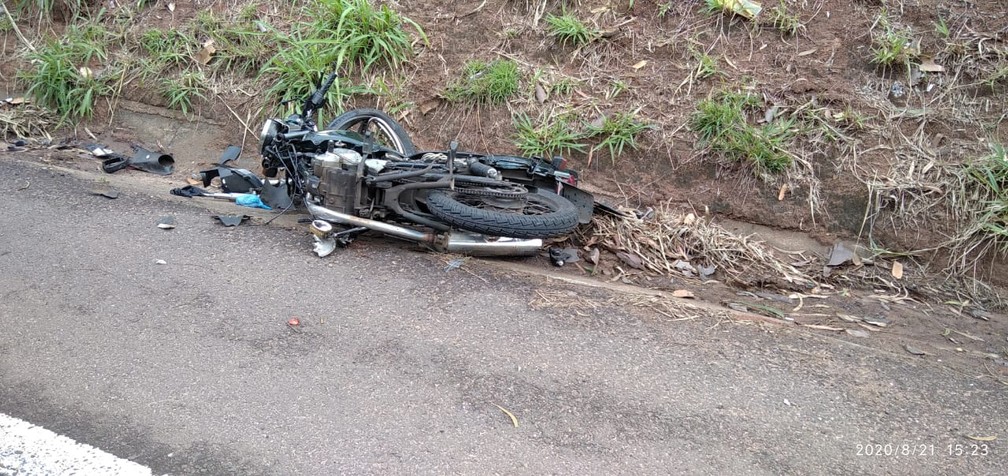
292 135
319 95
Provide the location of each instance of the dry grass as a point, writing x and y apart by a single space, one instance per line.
667 240
24 121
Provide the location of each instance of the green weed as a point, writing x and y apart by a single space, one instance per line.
296 72
617 132
942 28
721 124
891 46
784 20
167 48
61 77
366 34
346 34
564 86
706 65
616 88
569 30
549 136
181 91
481 82
70 9
664 8
987 189
241 48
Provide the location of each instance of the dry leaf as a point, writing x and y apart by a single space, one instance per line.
929 66
640 64
897 270
783 190
849 318
807 52
429 105
982 438
683 293
204 55
630 259
858 333
171 6
514 419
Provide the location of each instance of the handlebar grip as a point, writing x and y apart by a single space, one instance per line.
319 95
292 135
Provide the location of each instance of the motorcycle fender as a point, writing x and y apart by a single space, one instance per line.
581 199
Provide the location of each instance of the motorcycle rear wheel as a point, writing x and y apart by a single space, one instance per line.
385 130
542 215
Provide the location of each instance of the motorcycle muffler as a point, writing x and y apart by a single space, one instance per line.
454 241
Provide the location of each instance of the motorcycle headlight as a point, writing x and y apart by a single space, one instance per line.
269 131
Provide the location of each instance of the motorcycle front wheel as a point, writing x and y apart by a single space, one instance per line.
536 215
386 131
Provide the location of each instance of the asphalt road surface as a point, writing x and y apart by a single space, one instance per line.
402 366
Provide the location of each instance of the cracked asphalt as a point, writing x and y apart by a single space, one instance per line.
400 366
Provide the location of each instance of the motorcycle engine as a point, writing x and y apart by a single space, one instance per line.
335 179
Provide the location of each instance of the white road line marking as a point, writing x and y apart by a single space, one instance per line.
26 449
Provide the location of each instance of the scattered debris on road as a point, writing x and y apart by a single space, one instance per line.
166 222
231 220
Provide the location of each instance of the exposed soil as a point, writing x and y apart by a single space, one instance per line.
824 69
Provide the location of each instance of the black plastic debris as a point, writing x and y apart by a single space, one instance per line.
153 162
114 163
189 191
562 256
276 196
17 146
143 159
231 220
232 180
232 152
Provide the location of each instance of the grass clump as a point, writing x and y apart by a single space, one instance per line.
706 66
987 193
569 30
617 132
69 9
345 35
167 48
721 124
891 46
61 76
481 82
364 33
181 91
549 136
784 20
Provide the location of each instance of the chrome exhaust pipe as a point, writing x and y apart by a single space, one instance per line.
326 214
454 242
479 245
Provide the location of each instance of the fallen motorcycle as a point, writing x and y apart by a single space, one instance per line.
362 172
